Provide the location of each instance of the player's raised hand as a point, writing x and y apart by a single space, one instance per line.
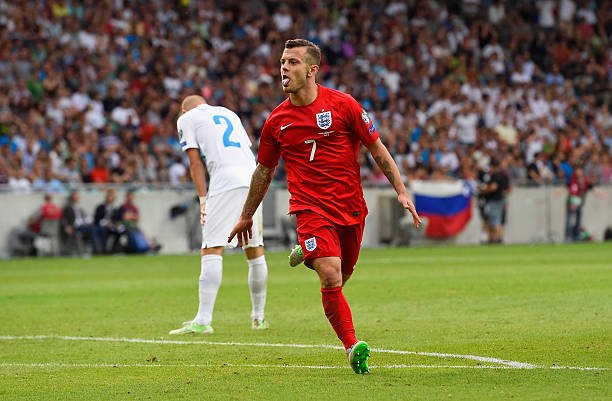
406 203
243 231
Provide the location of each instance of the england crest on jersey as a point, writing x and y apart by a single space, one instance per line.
311 244
324 120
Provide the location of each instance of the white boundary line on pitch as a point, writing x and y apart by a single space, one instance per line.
231 365
503 362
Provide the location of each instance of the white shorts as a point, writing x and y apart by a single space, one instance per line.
221 215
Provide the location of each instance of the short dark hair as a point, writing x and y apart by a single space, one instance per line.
313 51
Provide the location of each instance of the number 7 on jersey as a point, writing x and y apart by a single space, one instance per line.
314 148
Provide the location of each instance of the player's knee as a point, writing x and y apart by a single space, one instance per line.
329 271
255 252
217 250
331 282
329 277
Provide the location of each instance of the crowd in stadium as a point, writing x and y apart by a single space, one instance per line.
90 89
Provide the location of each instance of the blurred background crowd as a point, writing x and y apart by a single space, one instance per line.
90 89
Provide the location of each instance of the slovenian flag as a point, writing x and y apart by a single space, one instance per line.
446 205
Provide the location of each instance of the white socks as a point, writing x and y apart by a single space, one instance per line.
210 281
258 283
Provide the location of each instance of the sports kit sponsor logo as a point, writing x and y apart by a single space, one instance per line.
324 120
283 127
311 244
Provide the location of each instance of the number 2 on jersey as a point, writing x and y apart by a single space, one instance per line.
228 130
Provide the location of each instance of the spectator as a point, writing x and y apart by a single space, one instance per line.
76 229
579 186
69 173
104 229
496 188
466 122
38 223
177 173
19 183
126 217
539 171
100 173
48 183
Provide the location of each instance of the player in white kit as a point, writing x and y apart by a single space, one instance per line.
216 133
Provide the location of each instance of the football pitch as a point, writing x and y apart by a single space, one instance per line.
463 323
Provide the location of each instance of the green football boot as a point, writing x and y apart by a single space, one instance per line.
192 327
296 256
358 357
260 324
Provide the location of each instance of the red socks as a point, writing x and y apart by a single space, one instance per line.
339 315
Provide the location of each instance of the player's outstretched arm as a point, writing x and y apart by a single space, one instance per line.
383 158
260 181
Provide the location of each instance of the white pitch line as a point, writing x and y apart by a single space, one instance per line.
557 367
514 364
248 365
175 342
518 365
264 366
157 365
503 362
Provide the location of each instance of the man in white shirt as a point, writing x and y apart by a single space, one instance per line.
18 182
217 134
547 13
177 173
125 115
466 123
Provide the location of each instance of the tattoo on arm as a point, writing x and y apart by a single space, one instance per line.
386 168
260 181
387 165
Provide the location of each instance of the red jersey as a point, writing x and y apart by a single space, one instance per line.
579 187
48 211
319 144
99 175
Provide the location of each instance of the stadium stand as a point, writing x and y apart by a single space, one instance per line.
90 88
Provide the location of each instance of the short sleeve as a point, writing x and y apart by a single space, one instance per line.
269 148
361 124
186 132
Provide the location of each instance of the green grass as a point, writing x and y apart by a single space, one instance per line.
543 305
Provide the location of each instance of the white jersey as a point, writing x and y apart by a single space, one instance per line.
219 135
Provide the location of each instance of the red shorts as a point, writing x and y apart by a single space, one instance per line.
320 237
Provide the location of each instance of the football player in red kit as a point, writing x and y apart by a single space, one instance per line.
318 131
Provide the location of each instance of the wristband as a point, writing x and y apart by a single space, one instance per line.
202 199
